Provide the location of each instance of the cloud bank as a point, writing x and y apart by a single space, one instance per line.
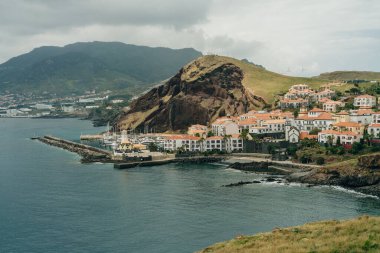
292 37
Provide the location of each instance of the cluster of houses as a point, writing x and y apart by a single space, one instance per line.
327 124
301 95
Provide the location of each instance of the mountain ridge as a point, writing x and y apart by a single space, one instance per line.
88 65
350 75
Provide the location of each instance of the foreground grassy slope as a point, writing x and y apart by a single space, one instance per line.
358 235
262 82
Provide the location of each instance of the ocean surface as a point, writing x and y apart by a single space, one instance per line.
50 202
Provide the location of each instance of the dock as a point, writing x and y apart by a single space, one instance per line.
194 159
90 137
88 153
92 154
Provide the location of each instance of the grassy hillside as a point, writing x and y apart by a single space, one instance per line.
262 82
350 75
358 235
91 65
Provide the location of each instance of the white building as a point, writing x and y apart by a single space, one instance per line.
43 107
345 137
292 134
225 126
185 142
315 118
274 125
376 117
293 103
365 101
326 93
332 106
374 129
362 116
234 143
214 143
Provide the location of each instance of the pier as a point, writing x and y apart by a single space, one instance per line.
93 154
88 153
194 159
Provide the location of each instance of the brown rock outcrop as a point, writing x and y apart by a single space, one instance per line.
198 94
369 161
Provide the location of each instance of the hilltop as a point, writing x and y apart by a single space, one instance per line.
91 65
350 75
199 93
357 235
205 89
261 82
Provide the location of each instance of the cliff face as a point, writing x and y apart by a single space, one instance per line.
198 94
361 174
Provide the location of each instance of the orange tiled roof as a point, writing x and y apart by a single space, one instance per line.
182 137
304 135
298 100
365 96
342 113
324 115
250 121
364 111
316 110
214 138
275 121
347 124
338 133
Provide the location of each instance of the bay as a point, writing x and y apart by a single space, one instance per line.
50 202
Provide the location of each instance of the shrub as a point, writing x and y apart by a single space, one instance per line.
341 151
305 158
320 160
356 148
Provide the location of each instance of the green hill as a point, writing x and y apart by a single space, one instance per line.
358 235
91 65
350 75
257 79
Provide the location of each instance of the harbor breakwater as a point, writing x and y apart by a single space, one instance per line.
195 159
88 153
92 154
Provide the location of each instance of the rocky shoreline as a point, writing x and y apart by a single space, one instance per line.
362 180
363 176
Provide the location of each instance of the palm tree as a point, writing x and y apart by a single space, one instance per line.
225 140
244 134
330 140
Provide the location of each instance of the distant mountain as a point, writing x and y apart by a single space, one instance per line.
350 75
91 65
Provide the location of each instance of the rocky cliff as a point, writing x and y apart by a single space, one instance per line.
360 174
202 91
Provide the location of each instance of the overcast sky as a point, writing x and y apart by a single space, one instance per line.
294 37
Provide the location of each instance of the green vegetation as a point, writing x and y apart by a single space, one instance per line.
357 235
260 81
79 67
350 75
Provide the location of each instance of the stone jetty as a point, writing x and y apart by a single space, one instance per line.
88 153
195 159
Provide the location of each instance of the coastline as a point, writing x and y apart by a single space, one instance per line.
361 180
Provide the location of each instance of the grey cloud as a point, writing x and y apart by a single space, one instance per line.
36 16
306 37
363 33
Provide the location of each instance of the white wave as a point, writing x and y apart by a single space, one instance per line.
342 189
